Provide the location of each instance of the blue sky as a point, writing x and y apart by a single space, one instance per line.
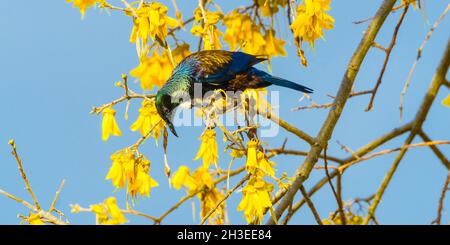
55 67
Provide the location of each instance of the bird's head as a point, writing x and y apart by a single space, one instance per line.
165 108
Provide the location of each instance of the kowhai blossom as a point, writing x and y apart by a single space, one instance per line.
256 199
312 18
201 181
208 149
109 124
82 5
148 119
127 169
151 22
205 27
156 69
108 213
257 163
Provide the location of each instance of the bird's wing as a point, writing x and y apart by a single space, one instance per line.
217 67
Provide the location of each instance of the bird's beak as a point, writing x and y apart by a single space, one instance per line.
172 128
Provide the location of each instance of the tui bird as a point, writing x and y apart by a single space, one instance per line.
214 69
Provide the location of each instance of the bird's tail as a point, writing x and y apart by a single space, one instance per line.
288 84
281 82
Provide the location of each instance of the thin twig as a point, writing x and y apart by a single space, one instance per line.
52 206
328 105
419 55
386 59
224 198
384 152
336 196
24 176
137 213
441 201
46 215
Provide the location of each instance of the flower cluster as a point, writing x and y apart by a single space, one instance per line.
257 162
131 170
108 213
82 5
201 182
34 219
350 219
311 20
149 120
205 27
156 69
270 7
413 2
256 199
253 100
245 33
208 151
151 21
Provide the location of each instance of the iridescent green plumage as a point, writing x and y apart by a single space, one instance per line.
214 69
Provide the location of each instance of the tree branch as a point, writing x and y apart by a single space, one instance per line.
441 201
435 149
436 83
324 135
311 205
386 59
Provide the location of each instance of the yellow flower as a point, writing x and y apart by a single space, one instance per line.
252 149
208 149
180 52
237 153
265 165
200 178
148 119
270 7
243 32
256 199
142 183
108 213
209 200
257 163
201 181
311 20
152 21
183 177
274 46
446 101
109 124
208 30
134 171
117 173
253 100
413 2
155 70
203 177
351 219
34 219
82 5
